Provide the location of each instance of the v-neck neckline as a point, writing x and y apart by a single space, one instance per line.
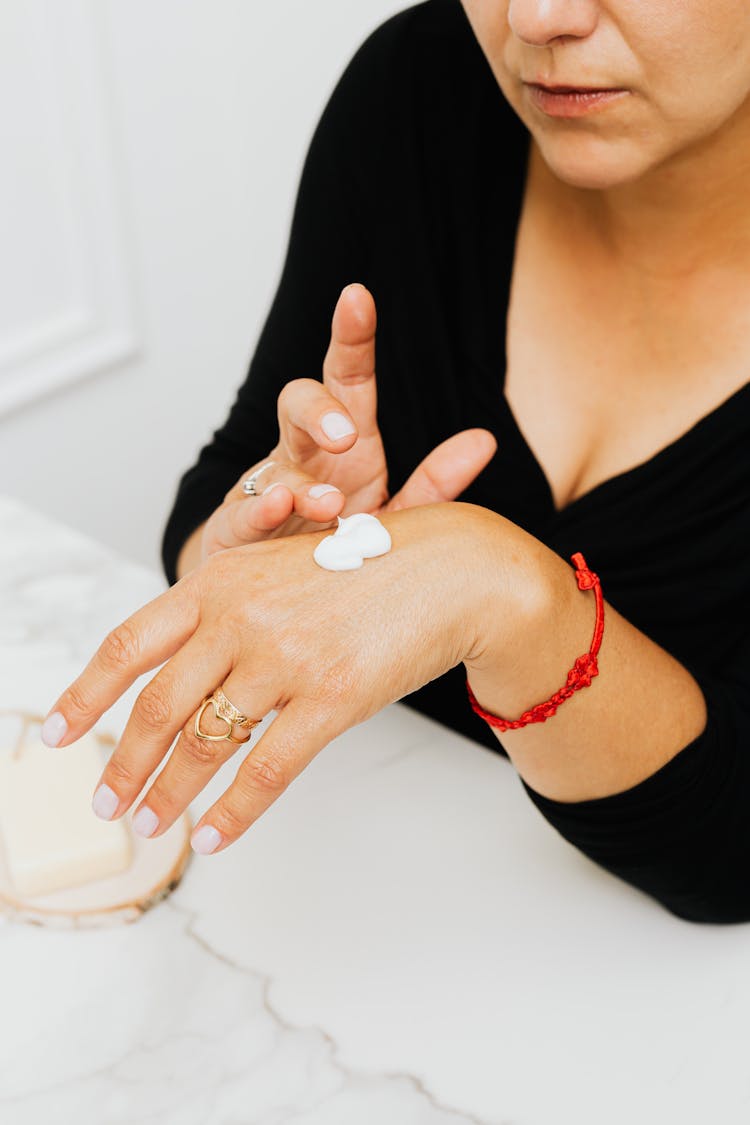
507 241
700 430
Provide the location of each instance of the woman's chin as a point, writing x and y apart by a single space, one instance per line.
591 162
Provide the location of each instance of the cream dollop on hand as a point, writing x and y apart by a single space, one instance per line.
357 538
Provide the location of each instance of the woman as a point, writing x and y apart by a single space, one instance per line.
547 200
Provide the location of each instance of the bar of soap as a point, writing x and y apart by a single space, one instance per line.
52 837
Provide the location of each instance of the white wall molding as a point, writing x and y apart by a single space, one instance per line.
66 281
183 125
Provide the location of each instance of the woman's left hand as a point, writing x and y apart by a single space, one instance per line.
326 650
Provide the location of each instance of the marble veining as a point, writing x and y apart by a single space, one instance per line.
354 1090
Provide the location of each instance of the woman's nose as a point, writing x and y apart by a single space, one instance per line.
539 22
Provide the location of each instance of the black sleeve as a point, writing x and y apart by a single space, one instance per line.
327 249
683 834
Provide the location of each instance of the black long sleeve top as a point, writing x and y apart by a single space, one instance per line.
413 185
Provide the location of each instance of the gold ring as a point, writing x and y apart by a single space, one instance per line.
226 710
228 714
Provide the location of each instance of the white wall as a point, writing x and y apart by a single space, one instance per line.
151 152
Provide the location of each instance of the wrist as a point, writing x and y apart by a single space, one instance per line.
534 626
481 576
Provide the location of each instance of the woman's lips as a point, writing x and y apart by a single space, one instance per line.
569 101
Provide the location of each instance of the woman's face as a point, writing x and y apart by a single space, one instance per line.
681 69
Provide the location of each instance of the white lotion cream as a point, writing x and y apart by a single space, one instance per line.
357 538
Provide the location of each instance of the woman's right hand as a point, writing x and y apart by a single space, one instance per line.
330 460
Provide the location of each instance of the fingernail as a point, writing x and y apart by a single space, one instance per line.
205 840
145 821
54 729
321 489
336 425
105 802
271 487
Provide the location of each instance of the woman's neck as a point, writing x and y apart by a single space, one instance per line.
690 214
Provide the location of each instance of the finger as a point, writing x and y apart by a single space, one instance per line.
248 520
288 491
447 470
310 418
291 742
141 642
160 711
349 364
194 760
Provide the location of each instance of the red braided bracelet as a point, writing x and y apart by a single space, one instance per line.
579 676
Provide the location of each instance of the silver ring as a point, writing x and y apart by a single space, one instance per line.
248 486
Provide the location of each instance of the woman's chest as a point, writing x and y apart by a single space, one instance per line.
598 380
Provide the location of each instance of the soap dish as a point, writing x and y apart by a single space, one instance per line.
156 869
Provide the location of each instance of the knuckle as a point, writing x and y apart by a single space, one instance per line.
230 822
119 648
338 681
121 775
78 699
165 802
196 751
266 776
289 392
153 708
350 363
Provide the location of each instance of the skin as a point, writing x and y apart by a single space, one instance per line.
461 585
354 466
685 63
623 193
281 633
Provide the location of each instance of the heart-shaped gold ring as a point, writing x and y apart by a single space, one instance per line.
227 736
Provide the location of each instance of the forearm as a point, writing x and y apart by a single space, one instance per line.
190 555
641 709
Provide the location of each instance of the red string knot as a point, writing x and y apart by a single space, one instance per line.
586 579
583 671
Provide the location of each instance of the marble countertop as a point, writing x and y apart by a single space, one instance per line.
400 940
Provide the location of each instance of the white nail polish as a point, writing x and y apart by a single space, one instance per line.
54 729
145 821
321 489
336 425
205 840
271 487
105 802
